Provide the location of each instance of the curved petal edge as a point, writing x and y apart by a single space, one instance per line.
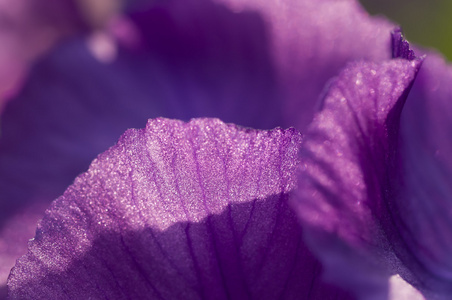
176 210
347 156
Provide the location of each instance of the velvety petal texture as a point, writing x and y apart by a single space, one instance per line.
344 194
177 211
243 62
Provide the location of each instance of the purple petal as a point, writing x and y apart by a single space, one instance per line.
424 200
177 211
400 46
74 107
14 234
344 187
243 67
220 59
311 41
221 65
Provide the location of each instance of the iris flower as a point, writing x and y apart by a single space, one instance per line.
352 202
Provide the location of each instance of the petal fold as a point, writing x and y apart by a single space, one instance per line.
424 180
347 156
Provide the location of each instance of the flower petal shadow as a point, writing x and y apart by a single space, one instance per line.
252 250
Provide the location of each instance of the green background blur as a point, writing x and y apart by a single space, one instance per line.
424 22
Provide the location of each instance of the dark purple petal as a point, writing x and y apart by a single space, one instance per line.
400 46
344 188
220 59
310 42
177 211
424 193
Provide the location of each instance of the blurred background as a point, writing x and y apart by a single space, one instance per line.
424 22
28 28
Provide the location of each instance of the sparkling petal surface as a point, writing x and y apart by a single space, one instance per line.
243 62
344 191
74 107
177 211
